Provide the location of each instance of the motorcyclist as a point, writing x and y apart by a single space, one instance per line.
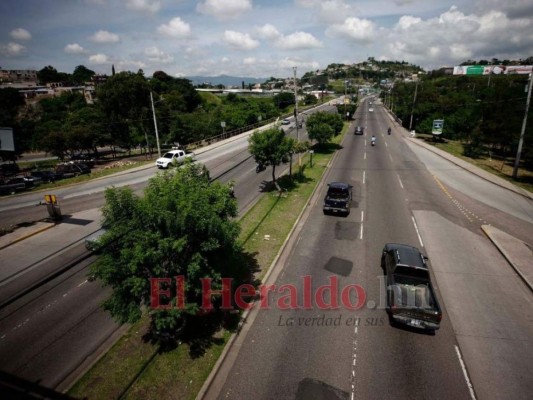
389 130
373 140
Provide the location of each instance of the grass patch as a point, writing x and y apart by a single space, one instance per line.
134 368
498 166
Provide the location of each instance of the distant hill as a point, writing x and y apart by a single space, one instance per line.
225 80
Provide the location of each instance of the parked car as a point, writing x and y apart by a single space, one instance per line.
359 130
174 157
285 122
410 296
69 170
12 186
338 198
47 175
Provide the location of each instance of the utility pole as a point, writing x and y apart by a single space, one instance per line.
155 126
522 133
296 113
413 107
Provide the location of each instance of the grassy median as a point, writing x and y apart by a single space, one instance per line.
134 368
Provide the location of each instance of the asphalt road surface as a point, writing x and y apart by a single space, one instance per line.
483 348
51 321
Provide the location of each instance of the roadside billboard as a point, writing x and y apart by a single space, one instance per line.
492 69
6 139
438 125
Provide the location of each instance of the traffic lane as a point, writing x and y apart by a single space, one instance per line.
403 361
284 359
29 252
474 186
51 335
489 306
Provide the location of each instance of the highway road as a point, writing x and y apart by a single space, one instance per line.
484 347
51 322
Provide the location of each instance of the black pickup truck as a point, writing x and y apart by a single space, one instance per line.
411 299
338 198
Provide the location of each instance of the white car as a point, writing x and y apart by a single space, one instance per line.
173 156
285 122
370 110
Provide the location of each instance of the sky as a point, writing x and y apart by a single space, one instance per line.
258 38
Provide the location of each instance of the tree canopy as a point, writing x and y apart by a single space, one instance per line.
322 126
271 147
183 226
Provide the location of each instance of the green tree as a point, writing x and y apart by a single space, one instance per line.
284 100
322 126
124 99
82 74
270 148
182 226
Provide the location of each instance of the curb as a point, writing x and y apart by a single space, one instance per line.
216 368
28 235
486 231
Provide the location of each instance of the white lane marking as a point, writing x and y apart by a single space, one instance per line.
365 155
362 216
401 184
386 145
354 358
83 283
364 177
361 233
465 373
418 233
390 157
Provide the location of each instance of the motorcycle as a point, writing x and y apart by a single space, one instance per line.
389 131
373 142
259 168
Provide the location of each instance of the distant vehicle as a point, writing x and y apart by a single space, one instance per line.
285 122
12 186
174 156
70 170
359 130
92 241
371 109
46 176
410 296
338 198
259 168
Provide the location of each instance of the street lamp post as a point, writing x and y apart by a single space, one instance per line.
296 113
522 133
413 107
155 126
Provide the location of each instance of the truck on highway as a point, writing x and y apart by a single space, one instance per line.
174 157
410 298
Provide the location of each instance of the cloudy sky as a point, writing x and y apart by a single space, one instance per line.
257 38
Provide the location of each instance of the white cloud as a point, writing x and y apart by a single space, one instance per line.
175 28
151 6
224 9
155 55
249 61
358 30
20 34
240 41
298 41
104 37
12 49
74 48
302 65
453 37
98 59
268 31
329 11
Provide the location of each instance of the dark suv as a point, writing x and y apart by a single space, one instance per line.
359 130
338 198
